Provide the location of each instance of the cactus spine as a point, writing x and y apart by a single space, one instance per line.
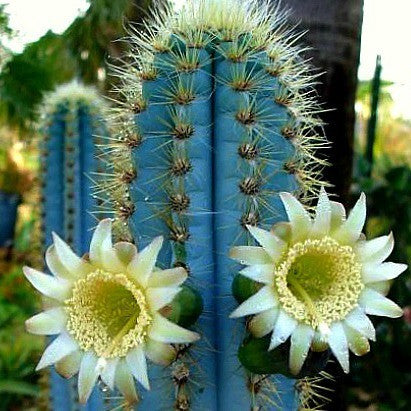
71 120
217 116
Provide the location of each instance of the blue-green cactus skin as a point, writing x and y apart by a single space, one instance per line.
68 161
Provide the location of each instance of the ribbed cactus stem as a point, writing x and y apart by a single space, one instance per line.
223 115
71 124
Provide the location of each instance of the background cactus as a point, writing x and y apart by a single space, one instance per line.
71 124
217 115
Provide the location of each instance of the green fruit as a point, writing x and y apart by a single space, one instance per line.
243 288
185 308
256 358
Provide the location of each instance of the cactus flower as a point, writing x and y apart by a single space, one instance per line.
106 311
319 279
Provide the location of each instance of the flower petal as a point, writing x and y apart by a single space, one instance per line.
249 255
137 363
142 265
102 231
284 327
377 250
166 331
301 340
273 245
263 323
350 230
282 230
338 343
60 347
382 287
125 382
357 343
299 218
87 376
376 304
262 273
322 220
168 278
125 252
338 215
48 322
56 266
109 372
160 353
262 300
382 272
48 285
69 366
72 262
159 297
359 321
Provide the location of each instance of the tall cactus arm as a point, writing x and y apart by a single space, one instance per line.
216 117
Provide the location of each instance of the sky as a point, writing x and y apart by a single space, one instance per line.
386 31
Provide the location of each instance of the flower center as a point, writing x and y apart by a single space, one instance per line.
107 313
318 282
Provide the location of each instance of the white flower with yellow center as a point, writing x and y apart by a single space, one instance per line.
106 312
319 279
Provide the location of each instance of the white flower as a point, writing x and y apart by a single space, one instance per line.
106 312
319 280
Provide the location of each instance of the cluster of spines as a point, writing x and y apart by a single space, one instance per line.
269 64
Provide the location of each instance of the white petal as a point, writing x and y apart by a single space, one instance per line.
60 347
73 263
137 363
159 297
109 372
381 272
48 285
249 255
168 278
143 263
102 231
350 230
376 304
376 250
69 365
300 345
282 230
359 321
284 327
322 221
262 300
160 353
263 323
382 287
357 343
87 376
338 343
125 252
125 382
166 331
262 273
273 245
48 322
56 266
338 215
299 218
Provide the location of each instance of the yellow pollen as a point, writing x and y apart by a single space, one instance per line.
107 313
318 282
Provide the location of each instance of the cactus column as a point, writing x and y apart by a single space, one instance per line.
71 122
220 117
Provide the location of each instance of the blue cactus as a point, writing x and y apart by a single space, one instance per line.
71 123
217 116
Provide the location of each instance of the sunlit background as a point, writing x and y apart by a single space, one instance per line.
374 385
